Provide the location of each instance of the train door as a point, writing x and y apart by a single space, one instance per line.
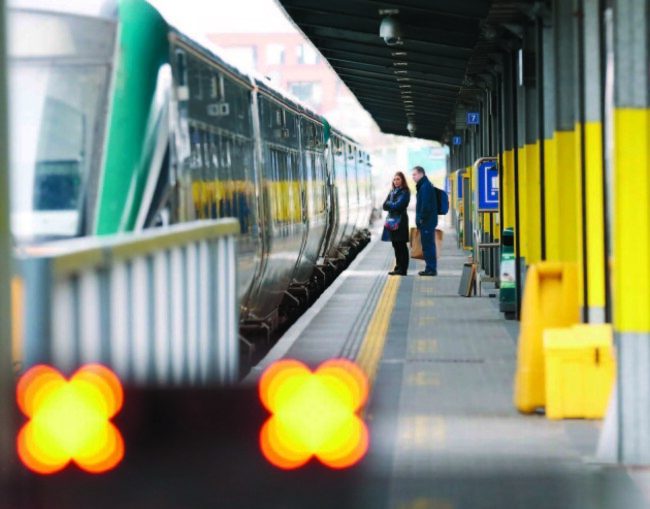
305 180
341 194
330 198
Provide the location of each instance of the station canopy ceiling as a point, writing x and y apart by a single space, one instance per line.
442 61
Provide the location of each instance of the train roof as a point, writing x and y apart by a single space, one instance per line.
204 45
215 52
93 8
199 42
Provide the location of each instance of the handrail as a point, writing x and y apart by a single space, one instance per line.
7 389
159 307
76 255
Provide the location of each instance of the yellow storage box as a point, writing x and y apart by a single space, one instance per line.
550 301
580 371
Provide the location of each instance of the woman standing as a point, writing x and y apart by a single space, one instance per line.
396 228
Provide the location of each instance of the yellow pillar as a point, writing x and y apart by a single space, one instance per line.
595 221
569 201
632 220
533 200
508 189
523 204
552 199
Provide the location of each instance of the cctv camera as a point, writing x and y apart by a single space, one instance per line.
411 127
391 30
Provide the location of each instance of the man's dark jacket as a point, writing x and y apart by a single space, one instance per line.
426 205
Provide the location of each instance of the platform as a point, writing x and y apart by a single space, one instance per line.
444 431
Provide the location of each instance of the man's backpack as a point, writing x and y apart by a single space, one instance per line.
443 201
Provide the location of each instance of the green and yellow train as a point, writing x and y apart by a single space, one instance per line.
122 122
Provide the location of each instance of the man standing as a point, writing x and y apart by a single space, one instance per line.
426 220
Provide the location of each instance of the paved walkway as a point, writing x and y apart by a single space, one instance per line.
444 431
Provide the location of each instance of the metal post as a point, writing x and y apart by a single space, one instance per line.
567 171
549 163
499 144
539 75
632 226
594 182
581 121
515 144
607 106
6 369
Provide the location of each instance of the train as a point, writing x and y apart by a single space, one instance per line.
121 122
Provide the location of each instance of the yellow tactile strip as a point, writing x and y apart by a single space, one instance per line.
373 343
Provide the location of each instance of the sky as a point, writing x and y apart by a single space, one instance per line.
225 16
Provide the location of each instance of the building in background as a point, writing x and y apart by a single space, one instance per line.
290 62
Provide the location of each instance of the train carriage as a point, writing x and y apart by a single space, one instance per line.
123 122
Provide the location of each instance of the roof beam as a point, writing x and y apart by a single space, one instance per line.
464 52
448 92
370 27
460 10
338 44
386 73
411 64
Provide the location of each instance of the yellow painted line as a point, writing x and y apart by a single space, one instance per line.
423 379
423 432
427 503
375 339
427 346
426 320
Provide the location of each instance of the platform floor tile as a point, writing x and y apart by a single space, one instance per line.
444 429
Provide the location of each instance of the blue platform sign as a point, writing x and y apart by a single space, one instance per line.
458 140
473 118
488 187
459 185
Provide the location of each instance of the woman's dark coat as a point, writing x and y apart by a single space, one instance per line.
396 204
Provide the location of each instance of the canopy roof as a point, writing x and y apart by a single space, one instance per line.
441 62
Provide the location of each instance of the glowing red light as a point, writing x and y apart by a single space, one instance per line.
314 414
69 420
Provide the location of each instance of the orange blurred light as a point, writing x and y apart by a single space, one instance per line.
69 420
314 414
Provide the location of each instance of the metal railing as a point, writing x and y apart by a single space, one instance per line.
158 307
7 389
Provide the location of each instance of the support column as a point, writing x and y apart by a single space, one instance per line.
531 151
516 125
551 241
508 159
567 173
591 159
7 435
499 146
522 163
631 228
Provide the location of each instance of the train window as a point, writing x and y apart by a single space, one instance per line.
55 154
59 86
217 87
195 149
214 87
181 68
196 82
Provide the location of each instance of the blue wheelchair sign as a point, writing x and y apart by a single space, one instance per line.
473 118
488 187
